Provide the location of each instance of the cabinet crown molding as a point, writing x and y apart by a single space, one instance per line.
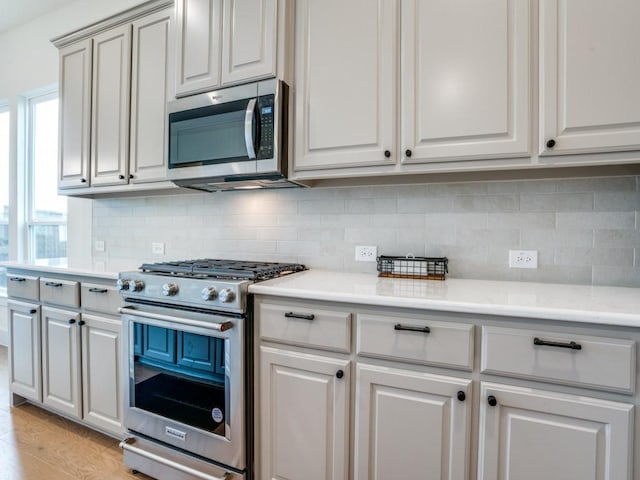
121 18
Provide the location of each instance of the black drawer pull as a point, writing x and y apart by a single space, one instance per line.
53 284
303 316
81 323
571 345
339 374
462 396
98 290
411 328
33 311
492 401
71 321
17 279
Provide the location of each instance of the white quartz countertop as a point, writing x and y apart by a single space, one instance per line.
576 303
64 269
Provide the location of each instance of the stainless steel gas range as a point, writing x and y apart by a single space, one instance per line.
188 356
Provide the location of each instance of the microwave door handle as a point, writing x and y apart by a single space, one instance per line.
248 128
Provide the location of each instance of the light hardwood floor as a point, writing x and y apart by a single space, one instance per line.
38 445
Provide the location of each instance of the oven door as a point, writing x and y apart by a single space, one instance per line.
186 381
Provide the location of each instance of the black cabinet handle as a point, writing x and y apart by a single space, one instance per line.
551 143
98 290
83 180
303 316
81 323
387 153
53 284
121 177
130 175
411 328
545 343
17 279
408 153
492 401
462 396
339 374
33 311
71 321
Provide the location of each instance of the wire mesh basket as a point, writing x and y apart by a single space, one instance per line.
423 268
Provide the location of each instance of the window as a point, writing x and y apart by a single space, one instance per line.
46 220
4 190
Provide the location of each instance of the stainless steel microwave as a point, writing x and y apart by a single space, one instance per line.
232 138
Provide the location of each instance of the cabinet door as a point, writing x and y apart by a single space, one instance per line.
531 434
249 40
346 69
199 37
465 79
75 115
24 350
304 409
589 75
101 373
414 420
61 361
110 114
151 87
159 343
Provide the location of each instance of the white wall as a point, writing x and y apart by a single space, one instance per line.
29 62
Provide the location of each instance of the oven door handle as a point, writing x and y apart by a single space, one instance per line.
220 327
248 128
127 445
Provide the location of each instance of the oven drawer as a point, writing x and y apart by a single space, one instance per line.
100 298
590 361
415 340
60 292
23 286
305 324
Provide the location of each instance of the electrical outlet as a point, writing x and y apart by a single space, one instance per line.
366 254
99 246
157 248
523 259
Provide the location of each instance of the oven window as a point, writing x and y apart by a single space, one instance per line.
180 376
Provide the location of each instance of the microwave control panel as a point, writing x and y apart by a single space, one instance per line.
266 111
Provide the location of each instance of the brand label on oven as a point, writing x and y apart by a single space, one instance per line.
216 414
172 432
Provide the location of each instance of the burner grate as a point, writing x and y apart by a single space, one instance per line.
226 269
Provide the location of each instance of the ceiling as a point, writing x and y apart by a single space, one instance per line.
16 12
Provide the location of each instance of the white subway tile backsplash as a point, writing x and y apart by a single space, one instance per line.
585 230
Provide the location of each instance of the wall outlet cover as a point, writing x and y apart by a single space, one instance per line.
366 253
523 259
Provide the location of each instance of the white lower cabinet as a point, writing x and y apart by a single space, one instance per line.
61 360
101 369
532 434
411 425
304 410
24 354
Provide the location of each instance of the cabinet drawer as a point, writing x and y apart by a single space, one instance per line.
60 292
100 298
23 286
594 362
306 325
415 340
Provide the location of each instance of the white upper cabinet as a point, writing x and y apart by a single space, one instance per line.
199 33
249 40
110 107
151 86
75 114
589 76
463 93
223 42
465 79
346 70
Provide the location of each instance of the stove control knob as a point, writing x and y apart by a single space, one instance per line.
209 293
122 284
136 286
169 289
227 295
